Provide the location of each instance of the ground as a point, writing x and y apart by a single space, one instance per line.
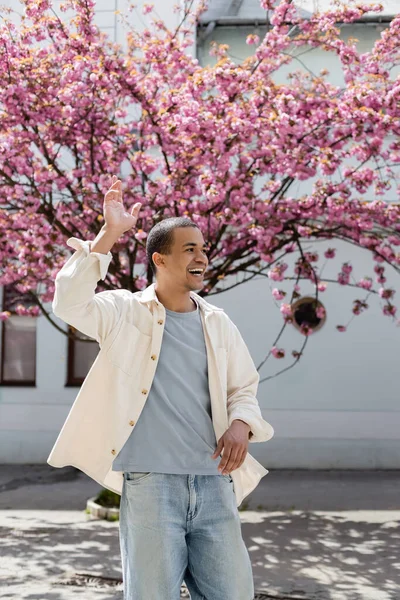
311 535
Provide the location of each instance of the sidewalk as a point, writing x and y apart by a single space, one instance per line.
311 535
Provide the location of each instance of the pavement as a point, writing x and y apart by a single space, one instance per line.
311 535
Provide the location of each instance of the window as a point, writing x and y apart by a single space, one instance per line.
308 314
81 356
18 341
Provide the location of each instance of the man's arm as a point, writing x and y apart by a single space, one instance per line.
242 385
75 300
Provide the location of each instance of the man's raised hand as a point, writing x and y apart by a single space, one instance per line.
115 215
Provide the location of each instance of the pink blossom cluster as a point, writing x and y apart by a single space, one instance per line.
200 140
278 294
277 272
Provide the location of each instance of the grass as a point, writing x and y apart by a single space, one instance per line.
108 499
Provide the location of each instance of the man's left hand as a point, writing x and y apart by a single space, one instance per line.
234 442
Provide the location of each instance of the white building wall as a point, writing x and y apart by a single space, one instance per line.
338 408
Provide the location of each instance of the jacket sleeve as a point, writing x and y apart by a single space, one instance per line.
75 300
242 385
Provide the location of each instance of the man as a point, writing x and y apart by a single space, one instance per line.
178 362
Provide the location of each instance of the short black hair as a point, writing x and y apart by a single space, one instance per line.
161 236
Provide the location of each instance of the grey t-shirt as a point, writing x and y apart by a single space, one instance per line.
174 433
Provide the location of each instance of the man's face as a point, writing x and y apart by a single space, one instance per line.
188 252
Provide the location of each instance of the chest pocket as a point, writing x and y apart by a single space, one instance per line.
129 348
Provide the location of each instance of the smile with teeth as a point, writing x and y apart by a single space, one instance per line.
197 272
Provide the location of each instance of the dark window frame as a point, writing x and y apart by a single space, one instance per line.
72 380
21 299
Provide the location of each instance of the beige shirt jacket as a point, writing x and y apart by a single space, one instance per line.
129 329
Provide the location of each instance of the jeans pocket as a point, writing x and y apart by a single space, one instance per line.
136 476
227 476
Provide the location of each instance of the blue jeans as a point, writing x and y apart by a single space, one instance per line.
176 528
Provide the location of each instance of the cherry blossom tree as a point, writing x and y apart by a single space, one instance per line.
222 144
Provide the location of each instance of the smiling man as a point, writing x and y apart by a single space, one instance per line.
172 389
177 249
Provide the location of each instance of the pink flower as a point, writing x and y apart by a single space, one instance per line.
322 287
343 279
389 310
252 39
366 241
311 256
379 270
347 268
286 310
386 293
278 294
365 283
20 309
340 327
267 4
275 275
266 257
359 306
306 329
277 352
304 231
140 234
330 253
141 283
392 239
